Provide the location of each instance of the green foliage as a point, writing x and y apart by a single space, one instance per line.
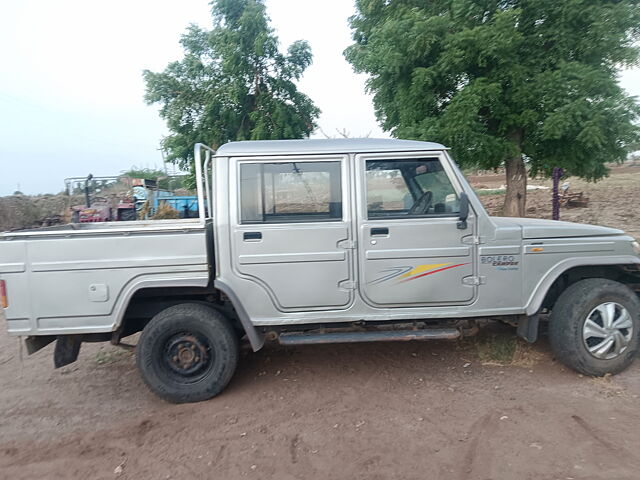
165 182
500 79
491 191
232 84
149 173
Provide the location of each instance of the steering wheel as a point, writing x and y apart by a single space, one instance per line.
421 205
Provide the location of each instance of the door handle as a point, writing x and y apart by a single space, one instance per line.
252 236
379 231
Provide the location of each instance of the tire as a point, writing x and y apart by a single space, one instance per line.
187 353
579 321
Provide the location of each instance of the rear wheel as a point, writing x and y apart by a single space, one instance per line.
595 325
187 353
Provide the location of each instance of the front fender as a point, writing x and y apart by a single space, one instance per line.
534 302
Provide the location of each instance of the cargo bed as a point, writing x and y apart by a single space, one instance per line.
78 278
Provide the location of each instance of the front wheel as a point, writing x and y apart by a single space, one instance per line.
594 327
187 353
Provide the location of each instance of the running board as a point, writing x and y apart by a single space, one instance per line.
295 338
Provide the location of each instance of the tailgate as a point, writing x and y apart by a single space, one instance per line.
13 265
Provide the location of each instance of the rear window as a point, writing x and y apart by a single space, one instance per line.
286 192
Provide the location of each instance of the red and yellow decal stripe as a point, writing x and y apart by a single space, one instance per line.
424 270
405 273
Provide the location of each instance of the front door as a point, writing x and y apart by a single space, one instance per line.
411 252
292 232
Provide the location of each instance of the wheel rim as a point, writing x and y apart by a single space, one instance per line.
607 331
187 357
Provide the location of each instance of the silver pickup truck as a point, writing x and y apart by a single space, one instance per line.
318 241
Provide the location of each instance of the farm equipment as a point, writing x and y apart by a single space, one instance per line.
97 211
126 210
186 206
149 199
572 199
141 200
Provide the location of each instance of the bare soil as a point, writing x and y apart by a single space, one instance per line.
613 201
431 410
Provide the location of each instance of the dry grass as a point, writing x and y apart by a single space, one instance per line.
107 357
504 348
26 211
18 211
526 355
165 212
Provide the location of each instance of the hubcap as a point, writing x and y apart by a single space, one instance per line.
607 330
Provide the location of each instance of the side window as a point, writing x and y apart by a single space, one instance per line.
409 188
387 190
290 192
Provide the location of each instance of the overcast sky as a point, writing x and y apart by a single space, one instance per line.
71 90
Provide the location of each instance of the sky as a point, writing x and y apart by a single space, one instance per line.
71 89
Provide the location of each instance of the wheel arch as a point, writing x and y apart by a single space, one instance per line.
623 269
142 301
146 283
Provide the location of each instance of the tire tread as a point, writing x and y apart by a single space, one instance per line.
219 331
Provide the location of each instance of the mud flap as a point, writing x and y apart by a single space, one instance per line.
35 343
67 350
528 328
255 338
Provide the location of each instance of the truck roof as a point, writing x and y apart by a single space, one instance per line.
337 145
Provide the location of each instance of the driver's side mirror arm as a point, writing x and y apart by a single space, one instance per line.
464 211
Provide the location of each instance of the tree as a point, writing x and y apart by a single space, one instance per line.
504 82
232 84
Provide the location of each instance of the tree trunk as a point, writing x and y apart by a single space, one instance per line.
516 197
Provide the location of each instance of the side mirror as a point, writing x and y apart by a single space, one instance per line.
464 211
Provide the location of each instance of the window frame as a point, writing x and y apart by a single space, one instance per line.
283 159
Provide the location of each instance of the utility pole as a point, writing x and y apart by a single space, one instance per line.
555 202
164 162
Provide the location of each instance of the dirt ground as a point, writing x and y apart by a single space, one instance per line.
430 410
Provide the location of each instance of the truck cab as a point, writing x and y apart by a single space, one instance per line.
371 233
317 241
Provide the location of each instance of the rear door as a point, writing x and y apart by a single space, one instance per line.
291 231
411 252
